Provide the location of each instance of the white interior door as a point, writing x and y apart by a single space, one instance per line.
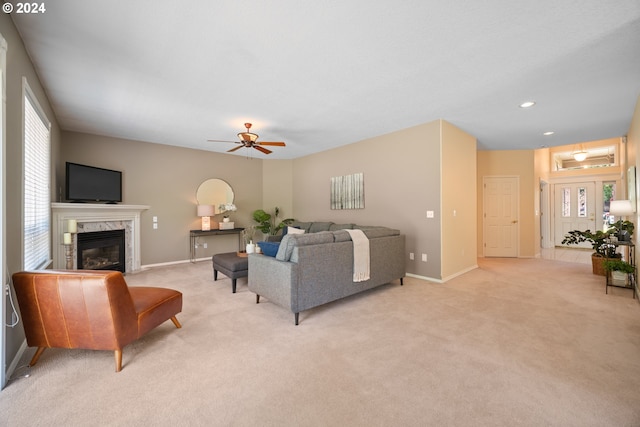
501 195
575 209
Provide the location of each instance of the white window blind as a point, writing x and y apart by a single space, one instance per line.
37 252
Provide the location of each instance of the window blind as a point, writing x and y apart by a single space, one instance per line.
37 203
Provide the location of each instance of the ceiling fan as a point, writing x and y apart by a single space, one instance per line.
250 140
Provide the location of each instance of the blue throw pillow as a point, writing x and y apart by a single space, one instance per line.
269 248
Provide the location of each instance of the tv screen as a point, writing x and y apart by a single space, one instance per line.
91 184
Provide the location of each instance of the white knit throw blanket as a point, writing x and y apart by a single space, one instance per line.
361 262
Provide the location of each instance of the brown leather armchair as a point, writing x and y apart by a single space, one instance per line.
89 309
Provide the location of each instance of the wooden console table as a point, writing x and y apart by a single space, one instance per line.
194 234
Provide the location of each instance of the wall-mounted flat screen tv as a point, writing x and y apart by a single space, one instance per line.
92 184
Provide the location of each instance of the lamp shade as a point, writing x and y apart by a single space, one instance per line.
620 207
206 210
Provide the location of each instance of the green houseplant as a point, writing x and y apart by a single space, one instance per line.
618 270
618 265
268 223
600 242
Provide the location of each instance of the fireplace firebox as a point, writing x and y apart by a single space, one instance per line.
101 250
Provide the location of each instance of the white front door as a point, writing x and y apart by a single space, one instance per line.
575 209
501 195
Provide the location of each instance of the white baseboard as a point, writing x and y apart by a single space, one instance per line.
165 264
428 279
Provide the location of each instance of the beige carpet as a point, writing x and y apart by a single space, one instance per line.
514 343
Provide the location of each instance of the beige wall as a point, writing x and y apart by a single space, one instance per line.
401 180
18 66
277 188
518 163
459 201
166 178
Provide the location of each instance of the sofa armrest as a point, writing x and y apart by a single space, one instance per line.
272 279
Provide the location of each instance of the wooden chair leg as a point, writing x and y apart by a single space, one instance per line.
118 356
174 319
36 356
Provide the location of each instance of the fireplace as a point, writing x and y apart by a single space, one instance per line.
101 250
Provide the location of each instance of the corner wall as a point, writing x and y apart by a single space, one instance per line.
459 201
402 179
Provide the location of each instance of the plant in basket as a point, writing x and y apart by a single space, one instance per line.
600 242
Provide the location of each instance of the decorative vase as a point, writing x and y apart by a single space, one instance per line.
225 219
251 248
619 278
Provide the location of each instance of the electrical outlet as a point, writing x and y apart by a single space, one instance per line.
204 245
411 257
430 214
424 257
6 289
155 225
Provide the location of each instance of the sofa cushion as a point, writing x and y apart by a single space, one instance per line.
316 227
269 248
341 236
370 232
334 227
374 232
291 240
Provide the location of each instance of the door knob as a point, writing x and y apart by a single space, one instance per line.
514 221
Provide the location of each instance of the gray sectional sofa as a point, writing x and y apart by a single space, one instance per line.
316 267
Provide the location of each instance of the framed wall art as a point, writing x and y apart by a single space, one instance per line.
347 192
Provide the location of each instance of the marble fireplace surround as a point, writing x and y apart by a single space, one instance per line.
97 217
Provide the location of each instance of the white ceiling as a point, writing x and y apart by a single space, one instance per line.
322 74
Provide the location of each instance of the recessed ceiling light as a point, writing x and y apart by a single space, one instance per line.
527 104
548 133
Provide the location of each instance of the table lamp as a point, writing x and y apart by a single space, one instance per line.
206 212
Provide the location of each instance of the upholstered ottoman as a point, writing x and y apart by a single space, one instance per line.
231 265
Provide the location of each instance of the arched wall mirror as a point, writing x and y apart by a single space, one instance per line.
214 192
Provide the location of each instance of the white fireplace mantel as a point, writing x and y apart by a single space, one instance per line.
92 215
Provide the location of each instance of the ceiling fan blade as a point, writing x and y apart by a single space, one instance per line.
278 144
236 148
264 150
220 140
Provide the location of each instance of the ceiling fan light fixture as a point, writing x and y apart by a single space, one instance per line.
248 136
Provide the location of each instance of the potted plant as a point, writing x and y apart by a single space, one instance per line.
268 224
600 242
623 230
619 270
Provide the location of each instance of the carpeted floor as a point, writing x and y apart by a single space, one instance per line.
517 342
